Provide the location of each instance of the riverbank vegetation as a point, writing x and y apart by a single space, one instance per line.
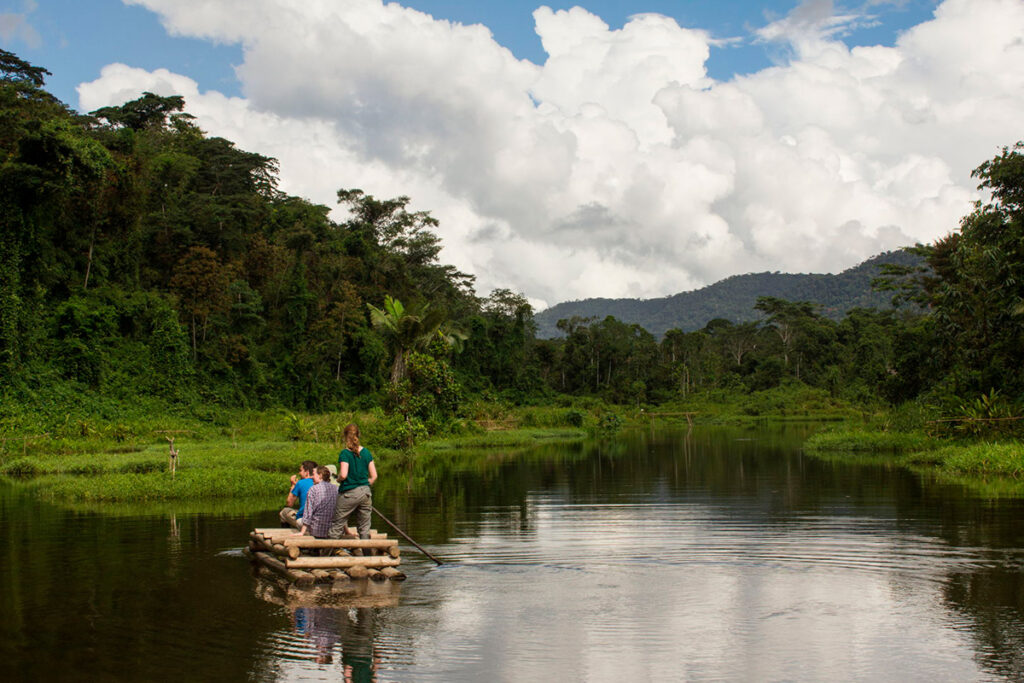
155 282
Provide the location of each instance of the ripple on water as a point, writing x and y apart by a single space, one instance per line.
593 536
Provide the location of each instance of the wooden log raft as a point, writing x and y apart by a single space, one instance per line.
280 551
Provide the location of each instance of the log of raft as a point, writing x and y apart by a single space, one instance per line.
290 547
357 572
392 573
375 561
299 578
310 542
273 532
263 543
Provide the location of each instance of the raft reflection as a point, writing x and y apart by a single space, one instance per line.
329 618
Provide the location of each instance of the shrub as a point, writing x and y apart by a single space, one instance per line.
609 423
399 432
573 418
908 416
989 415
297 428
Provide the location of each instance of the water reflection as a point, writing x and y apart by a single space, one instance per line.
320 626
359 593
670 547
718 555
327 627
332 626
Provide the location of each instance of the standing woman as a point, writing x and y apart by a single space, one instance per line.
356 472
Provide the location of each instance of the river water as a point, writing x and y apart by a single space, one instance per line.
721 554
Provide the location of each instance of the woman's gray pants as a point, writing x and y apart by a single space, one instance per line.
359 501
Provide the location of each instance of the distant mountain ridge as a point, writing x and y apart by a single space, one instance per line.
734 297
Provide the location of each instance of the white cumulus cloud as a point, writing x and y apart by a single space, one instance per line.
617 167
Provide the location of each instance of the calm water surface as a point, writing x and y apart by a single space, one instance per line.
723 554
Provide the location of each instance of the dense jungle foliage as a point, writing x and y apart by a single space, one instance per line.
142 259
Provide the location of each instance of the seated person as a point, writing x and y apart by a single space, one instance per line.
300 486
320 502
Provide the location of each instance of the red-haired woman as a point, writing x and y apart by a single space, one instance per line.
356 473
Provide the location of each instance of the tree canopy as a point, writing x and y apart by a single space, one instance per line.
139 254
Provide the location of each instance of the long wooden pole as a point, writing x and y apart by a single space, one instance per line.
405 535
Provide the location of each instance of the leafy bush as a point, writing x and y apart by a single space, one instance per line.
298 428
609 423
909 416
399 432
989 415
791 399
573 418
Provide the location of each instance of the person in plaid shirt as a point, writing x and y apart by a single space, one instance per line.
320 502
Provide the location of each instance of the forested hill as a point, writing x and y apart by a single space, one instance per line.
733 299
146 263
140 256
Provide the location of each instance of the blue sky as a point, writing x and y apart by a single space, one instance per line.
608 150
74 39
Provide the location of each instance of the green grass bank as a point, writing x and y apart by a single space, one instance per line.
915 437
93 449
79 449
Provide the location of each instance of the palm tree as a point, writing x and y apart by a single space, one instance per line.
453 336
406 330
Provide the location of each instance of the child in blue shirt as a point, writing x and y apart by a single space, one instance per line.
300 485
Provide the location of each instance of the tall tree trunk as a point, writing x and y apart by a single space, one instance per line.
341 349
398 368
88 263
